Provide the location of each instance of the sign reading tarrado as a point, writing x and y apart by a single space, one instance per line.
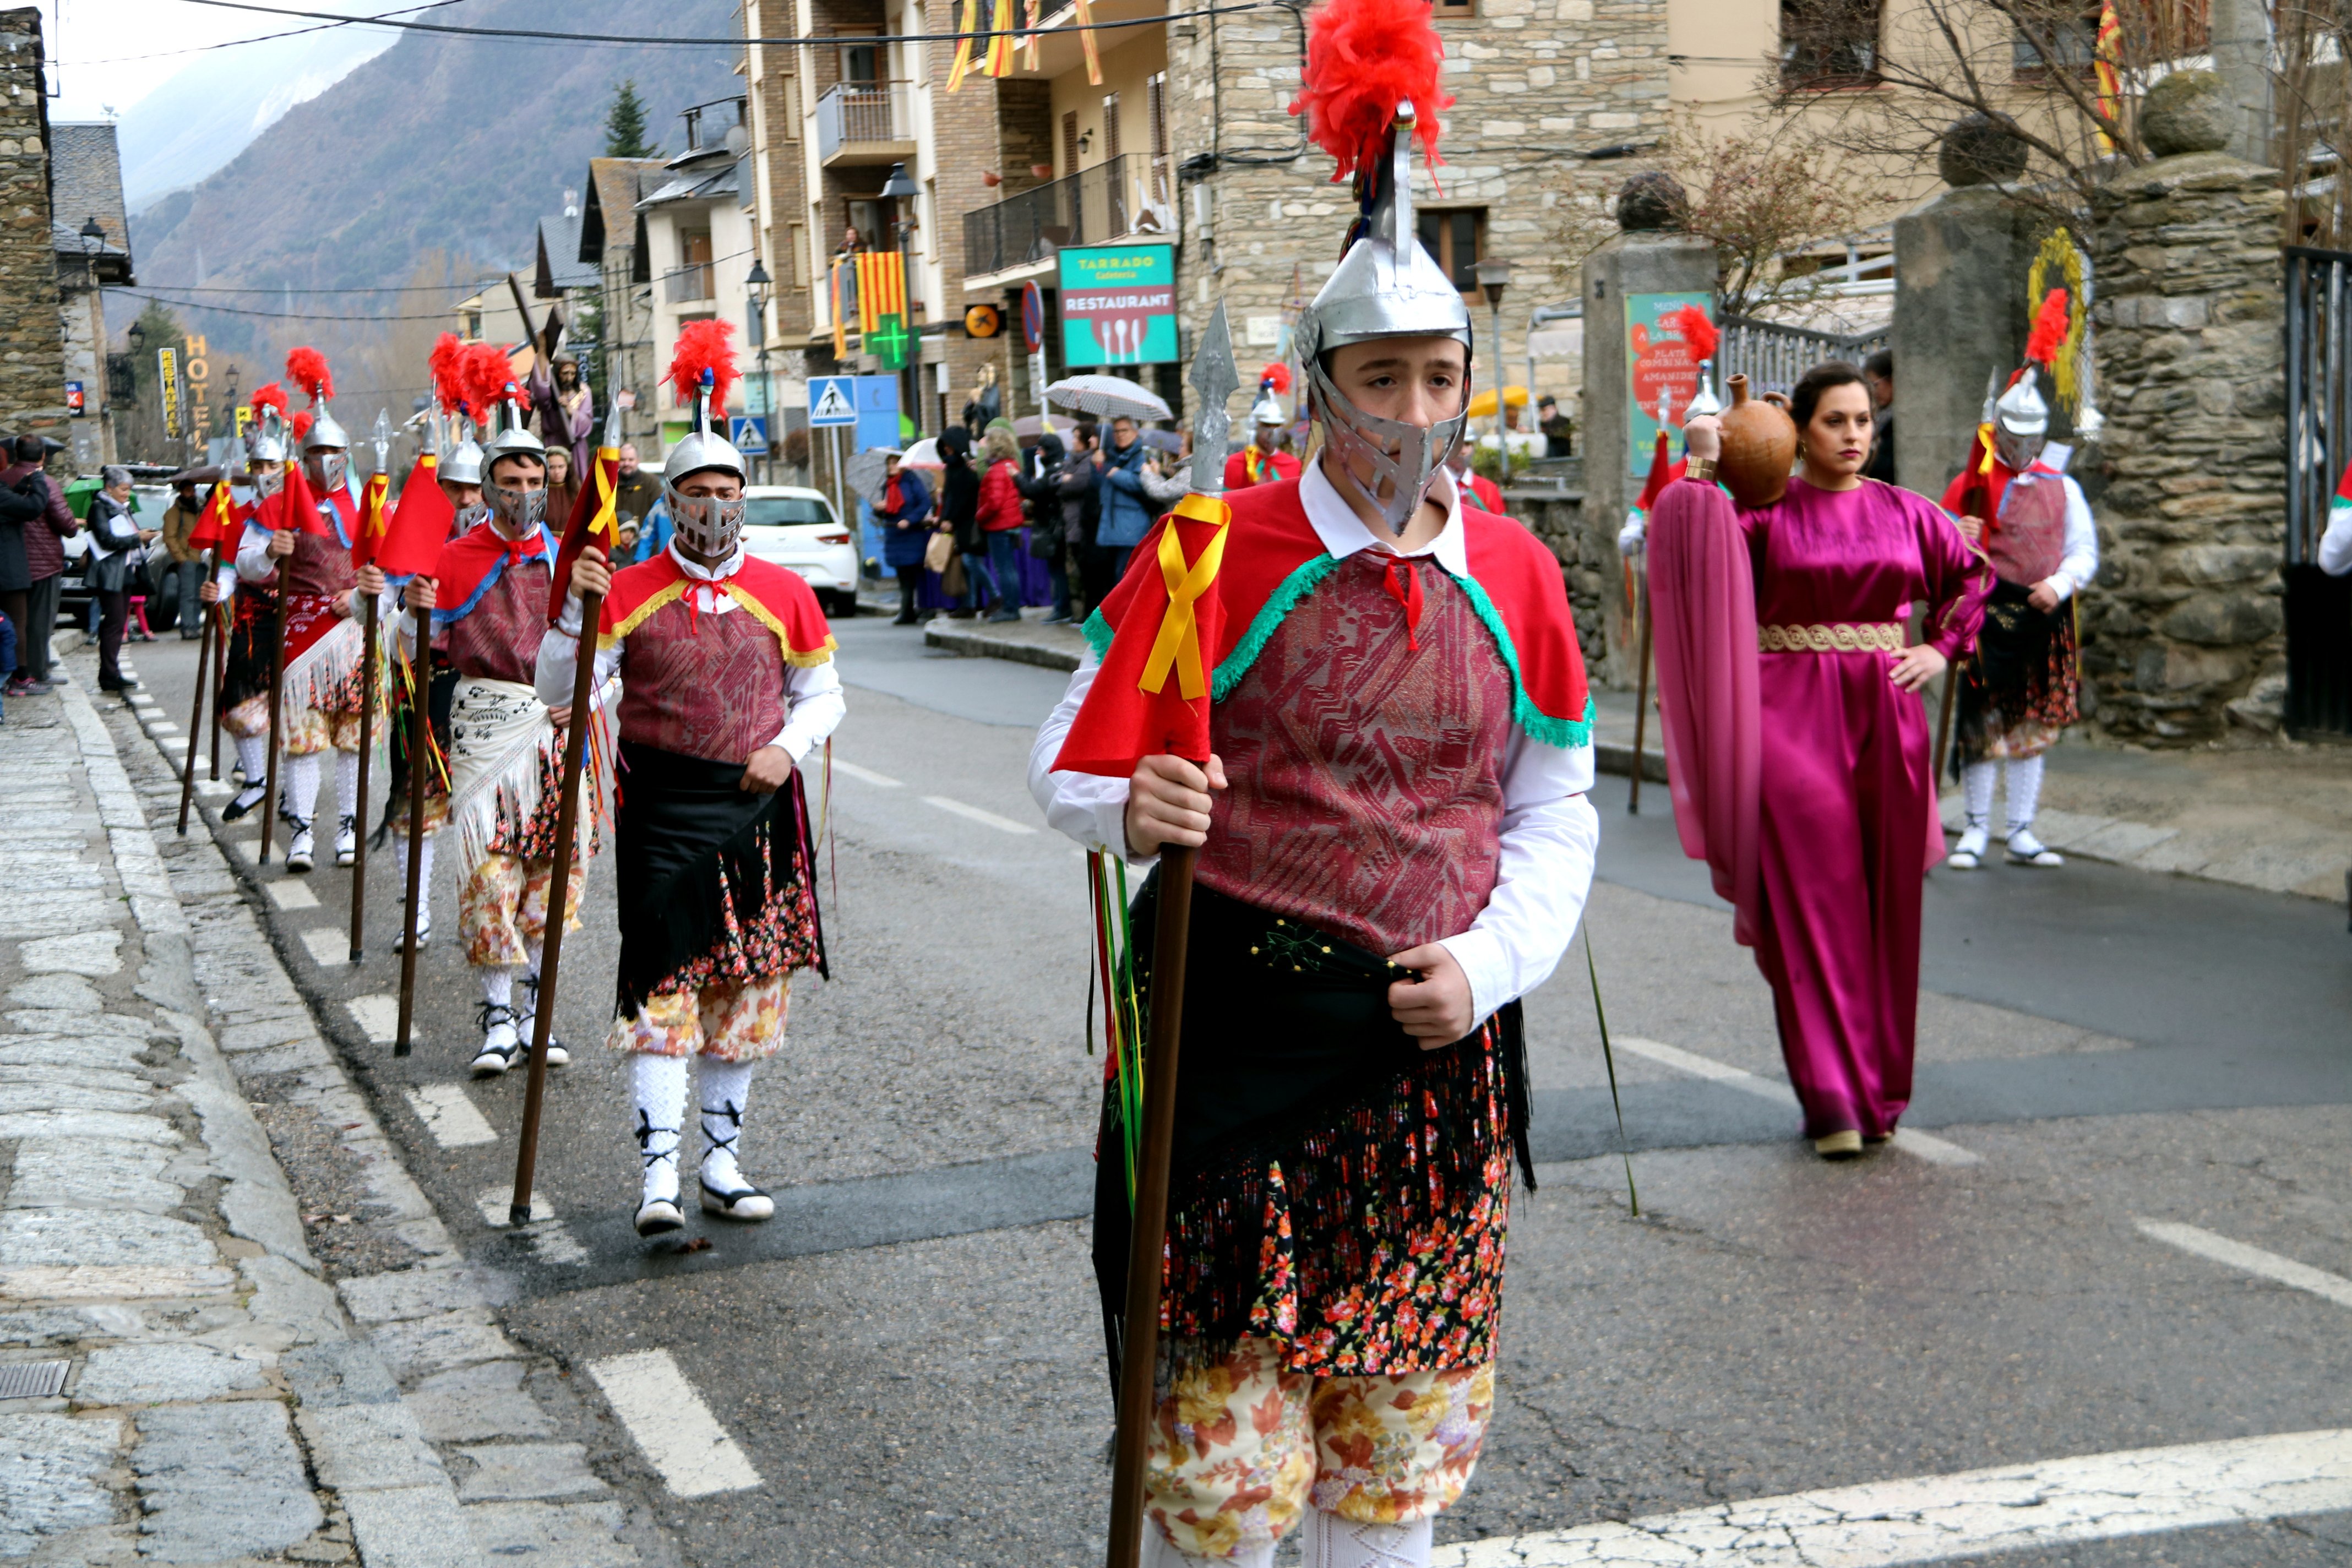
1118 305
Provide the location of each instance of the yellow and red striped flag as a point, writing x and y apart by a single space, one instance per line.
1086 37
881 287
963 65
999 41
2105 58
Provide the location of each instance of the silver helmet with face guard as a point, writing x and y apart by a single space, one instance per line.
707 524
521 512
1387 286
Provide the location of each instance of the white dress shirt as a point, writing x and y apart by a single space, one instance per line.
1549 830
812 699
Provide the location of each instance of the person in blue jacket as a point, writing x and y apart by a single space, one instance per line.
902 507
1127 513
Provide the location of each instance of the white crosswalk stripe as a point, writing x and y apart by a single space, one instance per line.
973 813
865 775
378 1014
2252 1259
450 1116
671 1423
1920 1146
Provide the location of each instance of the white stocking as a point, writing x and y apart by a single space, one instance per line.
658 1086
1330 1541
1158 1554
300 792
253 755
423 880
497 986
347 784
726 1090
1976 787
2025 792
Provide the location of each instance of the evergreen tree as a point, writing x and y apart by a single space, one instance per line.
625 124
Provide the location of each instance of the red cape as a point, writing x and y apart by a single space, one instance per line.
1273 558
785 603
1237 474
473 562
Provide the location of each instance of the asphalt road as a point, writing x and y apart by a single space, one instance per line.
909 1353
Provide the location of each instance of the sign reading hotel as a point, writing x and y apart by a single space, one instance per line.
1658 365
1118 305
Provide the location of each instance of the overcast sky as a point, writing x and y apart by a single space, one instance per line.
109 54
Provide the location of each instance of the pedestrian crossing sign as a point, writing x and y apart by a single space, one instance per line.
832 400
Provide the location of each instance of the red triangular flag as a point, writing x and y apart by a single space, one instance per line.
1151 696
594 522
420 524
369 537
1661 476
217 524
295 506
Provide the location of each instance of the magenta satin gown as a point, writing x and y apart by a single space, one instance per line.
1845 797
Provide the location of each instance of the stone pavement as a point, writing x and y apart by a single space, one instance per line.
2273 815
232 1329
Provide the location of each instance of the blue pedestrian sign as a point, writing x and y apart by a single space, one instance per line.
832 400
749 432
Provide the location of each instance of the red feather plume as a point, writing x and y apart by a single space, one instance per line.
486 371
2049 327
1276 376
302 423
1364 56
703 345
1691 325
448 380
307 368
269 396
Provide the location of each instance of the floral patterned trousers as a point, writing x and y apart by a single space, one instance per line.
726 1020
502 909
1241 1445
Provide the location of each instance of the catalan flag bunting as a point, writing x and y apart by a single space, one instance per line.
1086 37
2105 58
962 65
999 41
882 305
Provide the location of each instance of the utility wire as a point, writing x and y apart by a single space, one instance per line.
356 289
282 315
256 38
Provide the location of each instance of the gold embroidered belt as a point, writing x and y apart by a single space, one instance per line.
1837 636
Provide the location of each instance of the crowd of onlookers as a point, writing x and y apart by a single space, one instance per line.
35 523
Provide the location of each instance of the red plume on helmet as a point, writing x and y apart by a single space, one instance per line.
271 395
307 368
449 378
302 423
1363 57
1276 378
485 372
1691 325
703 345
2051 325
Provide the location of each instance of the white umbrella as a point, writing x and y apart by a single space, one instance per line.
923 454
1106 398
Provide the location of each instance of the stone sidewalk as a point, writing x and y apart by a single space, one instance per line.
232 1329
2275 815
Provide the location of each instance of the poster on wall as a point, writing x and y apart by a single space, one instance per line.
1118 305
1657 365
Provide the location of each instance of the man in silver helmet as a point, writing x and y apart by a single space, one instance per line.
253 600
727 682
1394 847
461 477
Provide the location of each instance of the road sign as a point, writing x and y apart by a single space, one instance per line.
1033 317
877 410
832 400
750 435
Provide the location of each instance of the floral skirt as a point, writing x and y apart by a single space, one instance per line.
2020 691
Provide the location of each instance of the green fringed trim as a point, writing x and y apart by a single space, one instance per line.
1099 633
1565 733
1278 605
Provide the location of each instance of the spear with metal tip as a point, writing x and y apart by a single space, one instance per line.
371 523
1215 381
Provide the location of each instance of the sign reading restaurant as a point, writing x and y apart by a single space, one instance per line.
1118 304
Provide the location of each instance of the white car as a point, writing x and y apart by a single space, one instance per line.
798 528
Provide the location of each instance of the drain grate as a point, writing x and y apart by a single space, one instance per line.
33 1379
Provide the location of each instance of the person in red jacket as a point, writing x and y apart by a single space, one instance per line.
1001 517
1263 460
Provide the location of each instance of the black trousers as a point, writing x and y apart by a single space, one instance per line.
909 579
113 615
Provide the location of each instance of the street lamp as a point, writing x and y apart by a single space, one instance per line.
232 401
900 191
1494 276
755 284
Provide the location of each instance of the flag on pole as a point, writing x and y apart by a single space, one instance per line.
2105 59
882 305
1151 696
295 506
373 520
962 65
594 520
217 525
420 524
999 41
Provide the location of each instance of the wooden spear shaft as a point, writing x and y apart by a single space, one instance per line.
559 897
219 619
277 717
1139 1351
1944 730
420 746
367 755
1641 687
195 724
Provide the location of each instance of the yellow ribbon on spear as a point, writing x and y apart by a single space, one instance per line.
1179 642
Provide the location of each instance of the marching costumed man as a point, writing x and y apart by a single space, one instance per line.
253 599
1394 846
488 599
2022 689
1263 461
727 682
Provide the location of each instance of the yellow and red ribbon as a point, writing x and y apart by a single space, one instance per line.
1178 644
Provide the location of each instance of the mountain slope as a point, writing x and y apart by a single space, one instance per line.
444 144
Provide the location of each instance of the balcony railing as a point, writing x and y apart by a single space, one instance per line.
1085 208
689 284
864 122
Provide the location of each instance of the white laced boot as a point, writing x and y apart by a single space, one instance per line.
726 1088
297 797
253 771
424 882
502 1043
658 1085
1975 793
1330 1541
347 807
527 1014
2024 800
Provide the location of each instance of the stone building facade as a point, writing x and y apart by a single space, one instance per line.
32 348
2185 632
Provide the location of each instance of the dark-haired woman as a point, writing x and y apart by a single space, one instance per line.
1821 837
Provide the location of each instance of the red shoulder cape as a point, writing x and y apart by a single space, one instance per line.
785 604
1273 558
474 561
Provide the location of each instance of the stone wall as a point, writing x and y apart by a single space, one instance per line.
2184 632
32 346
1588 562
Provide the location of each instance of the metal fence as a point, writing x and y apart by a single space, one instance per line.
1085 208
2318 607
1773 355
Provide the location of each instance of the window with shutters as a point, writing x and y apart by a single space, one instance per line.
1162 186
1456 237
1070 143
1110 126
1454 10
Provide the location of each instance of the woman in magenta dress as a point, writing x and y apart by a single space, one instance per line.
1797 743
